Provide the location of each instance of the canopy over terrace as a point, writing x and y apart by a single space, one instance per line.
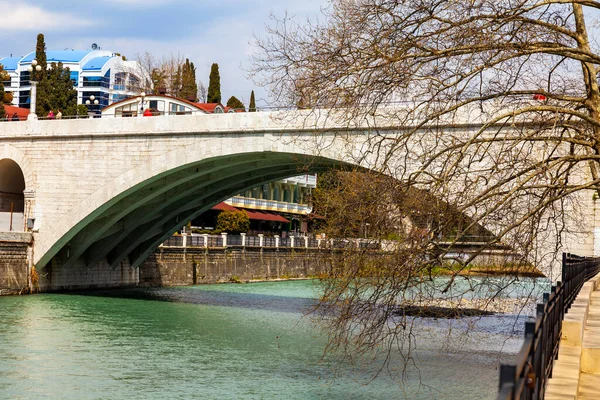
253 214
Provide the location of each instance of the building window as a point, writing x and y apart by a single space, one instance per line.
120 80
118 97
24 79
24 99
75 78
134 82
96 81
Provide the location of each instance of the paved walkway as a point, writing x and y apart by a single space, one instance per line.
576 373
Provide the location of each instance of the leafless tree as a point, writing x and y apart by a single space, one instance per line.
163 71
496 110
202 92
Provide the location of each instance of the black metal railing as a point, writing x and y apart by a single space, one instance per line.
234 240
252 241
174 241
527 376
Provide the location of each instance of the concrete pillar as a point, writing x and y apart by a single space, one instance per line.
205 239
32 100
224 235
291 241
276 240
306 242
243 235
261 240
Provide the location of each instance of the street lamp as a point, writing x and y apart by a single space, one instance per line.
33 67
91 101
141 100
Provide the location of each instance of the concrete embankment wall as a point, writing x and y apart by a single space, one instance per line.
188 266
14 249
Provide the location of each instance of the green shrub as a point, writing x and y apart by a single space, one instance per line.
233 222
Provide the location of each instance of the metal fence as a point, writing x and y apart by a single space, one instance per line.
527 376
252 241
269 241
174 241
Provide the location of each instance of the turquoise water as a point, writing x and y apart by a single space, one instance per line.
222 342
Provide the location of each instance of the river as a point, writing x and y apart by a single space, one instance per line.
229 341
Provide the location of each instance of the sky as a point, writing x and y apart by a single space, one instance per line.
201 30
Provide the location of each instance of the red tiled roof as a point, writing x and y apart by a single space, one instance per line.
252 214
208 107
265 216
224 207
21 112
227 109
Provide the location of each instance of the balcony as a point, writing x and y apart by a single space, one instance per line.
270 205
302 180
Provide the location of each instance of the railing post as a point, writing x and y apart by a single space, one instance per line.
319 243
261 240
224 236
564 267
306 242
243 235
184 243
291 241
276 240
205 239
507 376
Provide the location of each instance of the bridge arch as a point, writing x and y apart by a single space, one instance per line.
132 223
12 197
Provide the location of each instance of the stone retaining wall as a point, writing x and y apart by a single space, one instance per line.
179 266
13 264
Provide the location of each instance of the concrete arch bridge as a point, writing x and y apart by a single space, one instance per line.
104 193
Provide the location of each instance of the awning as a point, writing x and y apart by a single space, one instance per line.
265 216
224 207
253 214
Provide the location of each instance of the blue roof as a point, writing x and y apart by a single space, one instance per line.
96 64
10 63
73 56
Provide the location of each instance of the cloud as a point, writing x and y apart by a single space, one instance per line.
25 17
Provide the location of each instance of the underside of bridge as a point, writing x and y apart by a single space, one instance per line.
128 228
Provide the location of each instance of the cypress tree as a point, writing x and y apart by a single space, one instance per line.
42 106
176 90
40 56
235 103
189 87
214 85
252 107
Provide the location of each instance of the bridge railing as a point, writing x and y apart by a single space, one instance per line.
527 376
243 240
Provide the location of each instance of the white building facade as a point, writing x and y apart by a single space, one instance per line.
99 73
